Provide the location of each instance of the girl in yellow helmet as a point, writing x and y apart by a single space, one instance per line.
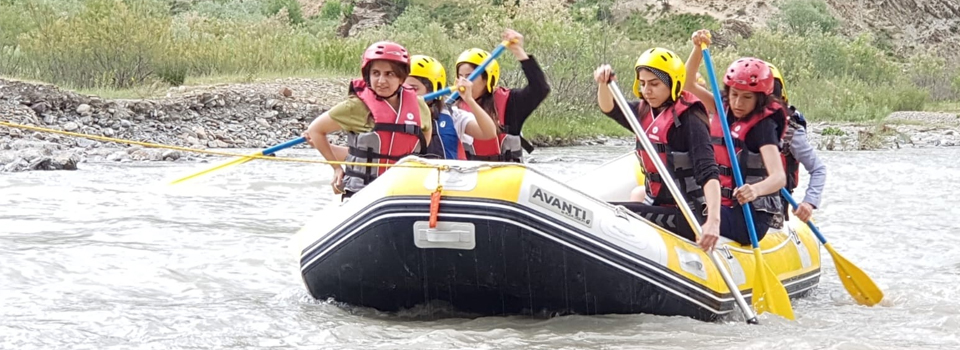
450 124
676 123
509 108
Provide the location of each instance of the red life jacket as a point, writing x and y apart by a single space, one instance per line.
504 148
395 134
681 166
751 164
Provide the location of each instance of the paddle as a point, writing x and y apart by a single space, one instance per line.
682 204
857 283
480 69
476 72
768 292
242 160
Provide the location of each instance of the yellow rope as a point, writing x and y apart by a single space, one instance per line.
217 153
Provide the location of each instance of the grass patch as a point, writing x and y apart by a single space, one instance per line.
944 106
557 125
874 137
832 131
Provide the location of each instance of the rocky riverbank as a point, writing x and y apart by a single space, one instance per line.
254 115
258 115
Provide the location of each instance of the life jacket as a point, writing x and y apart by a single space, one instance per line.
504 148
445 143
751 164
395 134
681 166
790 163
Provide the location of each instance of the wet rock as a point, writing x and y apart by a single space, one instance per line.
63 162
117 156
41 108
200 132
18 164
271 103
170 155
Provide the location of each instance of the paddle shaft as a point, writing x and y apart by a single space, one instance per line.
480 69
243 159
678 196
816 231
728 141
437 94
284 145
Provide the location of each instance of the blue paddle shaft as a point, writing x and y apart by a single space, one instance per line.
284 145
728 141
816 231
479 70
437 94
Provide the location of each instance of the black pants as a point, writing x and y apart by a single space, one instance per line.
670 218
733 225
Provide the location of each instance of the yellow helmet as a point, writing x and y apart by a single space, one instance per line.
779 77
428 68
475 57
663 60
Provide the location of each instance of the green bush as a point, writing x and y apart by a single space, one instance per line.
591 10
671 28
292 7
331 10
805 17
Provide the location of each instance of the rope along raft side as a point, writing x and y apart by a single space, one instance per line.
210 152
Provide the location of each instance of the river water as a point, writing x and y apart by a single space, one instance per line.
110 257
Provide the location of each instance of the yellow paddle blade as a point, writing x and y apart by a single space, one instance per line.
857 283
769 295
215 168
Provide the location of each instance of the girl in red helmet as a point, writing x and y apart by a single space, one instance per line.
757 121
384 120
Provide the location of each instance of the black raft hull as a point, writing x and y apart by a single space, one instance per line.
515 258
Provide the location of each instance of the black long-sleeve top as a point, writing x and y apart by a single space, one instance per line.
523 101
692 136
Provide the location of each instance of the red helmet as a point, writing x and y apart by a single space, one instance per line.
385 50
750 74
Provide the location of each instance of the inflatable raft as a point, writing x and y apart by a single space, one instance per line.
508 239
